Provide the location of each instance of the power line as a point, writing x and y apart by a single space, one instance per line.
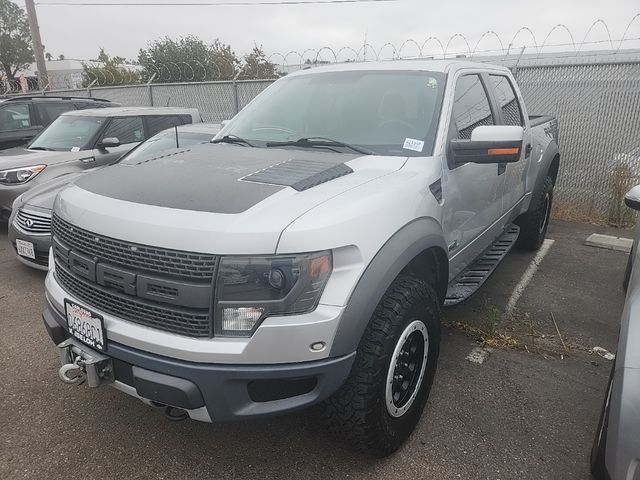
208 4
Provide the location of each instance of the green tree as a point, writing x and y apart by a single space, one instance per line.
109 71
188 59
257 66
15 39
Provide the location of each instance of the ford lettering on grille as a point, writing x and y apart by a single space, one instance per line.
149 287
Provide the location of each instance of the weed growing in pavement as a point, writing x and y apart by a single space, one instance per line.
494 329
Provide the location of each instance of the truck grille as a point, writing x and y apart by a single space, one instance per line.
33 222
185 265
170 290
192 323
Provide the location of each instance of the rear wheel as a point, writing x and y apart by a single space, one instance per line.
381 402
533 224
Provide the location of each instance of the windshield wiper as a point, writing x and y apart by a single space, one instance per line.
46 149
311 142
234 139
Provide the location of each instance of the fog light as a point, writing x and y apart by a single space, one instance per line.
240 319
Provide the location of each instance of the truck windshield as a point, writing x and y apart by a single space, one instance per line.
68 133
385 112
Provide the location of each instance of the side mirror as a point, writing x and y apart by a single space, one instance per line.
489 144
632 198
109 142
224 123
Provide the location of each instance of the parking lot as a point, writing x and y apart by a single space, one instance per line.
529 410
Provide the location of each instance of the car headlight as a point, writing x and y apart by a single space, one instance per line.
249 289
16 176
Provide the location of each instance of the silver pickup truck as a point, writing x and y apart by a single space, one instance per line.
304 255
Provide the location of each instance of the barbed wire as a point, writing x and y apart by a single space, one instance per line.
95 74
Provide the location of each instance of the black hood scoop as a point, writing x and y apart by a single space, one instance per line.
215 178
299 174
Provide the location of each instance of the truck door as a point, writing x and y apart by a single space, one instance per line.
510 112
472 192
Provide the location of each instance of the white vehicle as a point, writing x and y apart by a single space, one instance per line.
304 255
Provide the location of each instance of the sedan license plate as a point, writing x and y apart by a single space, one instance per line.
86 326
25 249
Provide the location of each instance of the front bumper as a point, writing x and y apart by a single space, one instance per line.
217 392
41 246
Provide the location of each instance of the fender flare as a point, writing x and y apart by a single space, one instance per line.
386 265
550 153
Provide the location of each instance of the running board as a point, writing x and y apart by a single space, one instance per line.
472 278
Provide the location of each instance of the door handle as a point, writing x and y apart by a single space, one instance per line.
527 150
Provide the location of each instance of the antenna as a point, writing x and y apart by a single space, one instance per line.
177 140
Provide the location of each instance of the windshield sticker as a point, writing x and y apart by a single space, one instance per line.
413 144
75 149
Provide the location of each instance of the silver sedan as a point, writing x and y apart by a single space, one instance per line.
616 449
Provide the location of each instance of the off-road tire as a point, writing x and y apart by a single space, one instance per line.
533 224
358 410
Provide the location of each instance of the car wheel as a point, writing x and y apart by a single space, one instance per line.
533 224
599 448
382 400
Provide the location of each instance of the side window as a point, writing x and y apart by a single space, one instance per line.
48 112
471 107
127 130
506 97
14 116
157 124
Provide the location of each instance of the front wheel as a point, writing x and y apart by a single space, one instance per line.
382 400
533 224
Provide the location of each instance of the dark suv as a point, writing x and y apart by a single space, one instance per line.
22 118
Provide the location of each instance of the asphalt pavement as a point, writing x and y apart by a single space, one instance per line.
526 412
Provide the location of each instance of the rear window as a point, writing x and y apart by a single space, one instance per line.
506 97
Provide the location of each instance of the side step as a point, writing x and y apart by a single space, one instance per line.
472 278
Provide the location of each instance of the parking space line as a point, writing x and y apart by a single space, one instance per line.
528 275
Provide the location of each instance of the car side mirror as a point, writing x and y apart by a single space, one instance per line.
109 142
224 123
489 144
632 198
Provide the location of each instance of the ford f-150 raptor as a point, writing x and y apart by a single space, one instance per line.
303 256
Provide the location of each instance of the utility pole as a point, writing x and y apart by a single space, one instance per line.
38 51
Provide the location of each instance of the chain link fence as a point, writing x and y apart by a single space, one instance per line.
598 112
597 105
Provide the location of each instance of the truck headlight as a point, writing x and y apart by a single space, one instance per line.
16 176
249 289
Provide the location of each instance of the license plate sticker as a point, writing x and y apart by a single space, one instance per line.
86 326
25 249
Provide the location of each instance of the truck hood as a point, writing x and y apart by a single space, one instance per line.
215 198
21 157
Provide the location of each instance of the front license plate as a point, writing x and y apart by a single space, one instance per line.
25 249
86 326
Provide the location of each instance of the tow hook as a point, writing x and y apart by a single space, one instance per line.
89 365
79 377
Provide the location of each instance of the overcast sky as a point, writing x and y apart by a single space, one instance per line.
79 31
